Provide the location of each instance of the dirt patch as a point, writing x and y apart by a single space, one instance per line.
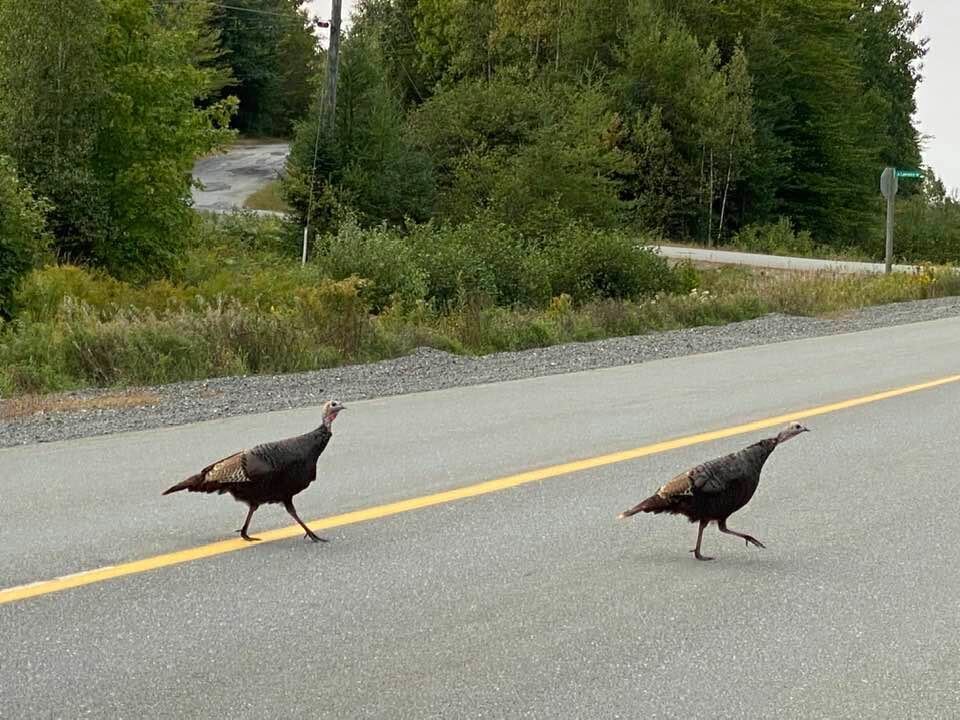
44 404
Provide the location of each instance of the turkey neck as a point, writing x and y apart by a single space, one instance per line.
764 448
317 439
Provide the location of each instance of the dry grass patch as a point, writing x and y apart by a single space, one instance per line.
267 198
28 405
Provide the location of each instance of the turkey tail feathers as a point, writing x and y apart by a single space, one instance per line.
654 504
190 483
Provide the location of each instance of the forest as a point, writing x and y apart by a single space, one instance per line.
490 179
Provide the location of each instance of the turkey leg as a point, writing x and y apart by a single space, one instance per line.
696 550
288 504
750 540
246 524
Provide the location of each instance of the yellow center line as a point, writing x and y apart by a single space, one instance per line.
88 577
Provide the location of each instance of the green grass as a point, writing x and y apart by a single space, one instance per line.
164 333
267 198
242 304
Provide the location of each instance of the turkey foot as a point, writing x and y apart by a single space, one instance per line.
246 525
696 550
748 540
293 513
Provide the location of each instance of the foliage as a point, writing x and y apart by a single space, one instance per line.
271 49
386 264
532 156
927 227
368 164
79 327
267 198
775 238
22 233
109 130
587 264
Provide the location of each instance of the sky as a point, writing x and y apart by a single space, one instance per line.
938 98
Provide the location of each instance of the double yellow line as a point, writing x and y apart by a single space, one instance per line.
45 587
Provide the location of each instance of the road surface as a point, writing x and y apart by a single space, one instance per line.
230 178
522 598
779 262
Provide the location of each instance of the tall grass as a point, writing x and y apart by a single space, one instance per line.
240 304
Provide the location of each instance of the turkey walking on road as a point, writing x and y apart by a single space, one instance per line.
269 473
717 488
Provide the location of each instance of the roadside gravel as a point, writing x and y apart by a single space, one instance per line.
428 369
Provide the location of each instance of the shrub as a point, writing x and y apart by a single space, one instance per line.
22 236
926 231
250 231
588 264
481 257
773 238
379 256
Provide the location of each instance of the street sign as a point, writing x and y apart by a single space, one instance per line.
909 174
888 183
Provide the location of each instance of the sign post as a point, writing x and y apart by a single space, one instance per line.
888 186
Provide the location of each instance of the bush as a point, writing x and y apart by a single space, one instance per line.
379 256
250 231
479 258
775 238
926 231
587 264
22 236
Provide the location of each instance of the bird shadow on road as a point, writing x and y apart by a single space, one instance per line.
674 559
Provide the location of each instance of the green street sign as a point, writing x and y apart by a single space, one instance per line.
909 174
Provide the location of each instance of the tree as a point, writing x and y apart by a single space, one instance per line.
144 154
453 38
109 132
392 23
890 57
368 162
682 99
271 48
22 233
817 147
50 93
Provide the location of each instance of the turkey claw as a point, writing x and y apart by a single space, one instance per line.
748 541
248 538
698 556
316 538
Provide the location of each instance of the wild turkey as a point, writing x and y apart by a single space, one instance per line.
717 488
269 473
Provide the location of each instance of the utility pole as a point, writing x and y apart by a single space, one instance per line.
328 108
333 65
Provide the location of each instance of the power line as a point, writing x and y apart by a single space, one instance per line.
302 20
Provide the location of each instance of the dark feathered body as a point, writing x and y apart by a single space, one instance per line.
273 472
714 490
269 473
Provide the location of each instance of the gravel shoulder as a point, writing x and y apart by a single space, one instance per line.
428 369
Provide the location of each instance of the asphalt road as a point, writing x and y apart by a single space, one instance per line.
779 262
530 602
230 178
